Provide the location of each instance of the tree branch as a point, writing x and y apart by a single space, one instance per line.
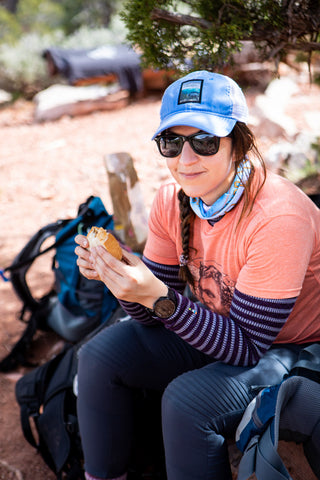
283 41
305 46
188 2
179 19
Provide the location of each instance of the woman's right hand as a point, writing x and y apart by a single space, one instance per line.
129 280
85 265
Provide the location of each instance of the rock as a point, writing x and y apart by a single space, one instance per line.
59 100
291 159
5 97
264 127
248 54
274 101
9 472
248 69
255 74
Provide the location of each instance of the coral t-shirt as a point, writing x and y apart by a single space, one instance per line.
273 253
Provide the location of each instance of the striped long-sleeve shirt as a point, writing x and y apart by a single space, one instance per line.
239 339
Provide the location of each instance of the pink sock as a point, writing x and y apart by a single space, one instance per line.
90 477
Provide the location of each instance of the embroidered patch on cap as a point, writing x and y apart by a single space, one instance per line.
190 91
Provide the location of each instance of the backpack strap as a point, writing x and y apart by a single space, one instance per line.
32 250
17 356
261 456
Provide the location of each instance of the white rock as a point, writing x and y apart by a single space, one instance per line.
274 101
291 157
59 100
5 97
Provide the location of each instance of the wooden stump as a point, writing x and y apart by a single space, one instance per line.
129 212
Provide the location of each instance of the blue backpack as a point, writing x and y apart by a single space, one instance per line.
74 306
288 411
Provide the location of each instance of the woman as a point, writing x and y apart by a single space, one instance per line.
246 242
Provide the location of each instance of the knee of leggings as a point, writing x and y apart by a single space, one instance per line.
90 369
110 349
194 448
180 415
97 361
174 401
214 406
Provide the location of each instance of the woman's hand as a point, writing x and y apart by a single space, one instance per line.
128 280
84 263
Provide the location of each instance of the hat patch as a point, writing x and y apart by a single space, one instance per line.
190 92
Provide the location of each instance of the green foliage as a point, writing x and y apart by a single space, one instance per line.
165 44
45 16
93 14
193 34
316 147
86 37
37 16
147 34
10 28
316 79
40 24
22 68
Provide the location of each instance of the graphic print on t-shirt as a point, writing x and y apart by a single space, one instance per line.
212 287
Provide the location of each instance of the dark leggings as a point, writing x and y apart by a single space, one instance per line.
202 400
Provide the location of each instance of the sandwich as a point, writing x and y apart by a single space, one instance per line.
100 236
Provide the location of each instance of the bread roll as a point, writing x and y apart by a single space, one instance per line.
99 236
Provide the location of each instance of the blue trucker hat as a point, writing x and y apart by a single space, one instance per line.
209 101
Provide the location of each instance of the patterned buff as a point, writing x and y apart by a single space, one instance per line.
228 200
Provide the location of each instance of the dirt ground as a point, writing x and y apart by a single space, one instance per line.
46 171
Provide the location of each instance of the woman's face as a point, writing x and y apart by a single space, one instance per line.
201 176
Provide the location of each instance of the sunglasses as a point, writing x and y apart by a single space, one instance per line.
170 144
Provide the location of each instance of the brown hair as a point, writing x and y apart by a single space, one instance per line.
243 142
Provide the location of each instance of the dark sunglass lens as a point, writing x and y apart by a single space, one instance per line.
170 146
205 144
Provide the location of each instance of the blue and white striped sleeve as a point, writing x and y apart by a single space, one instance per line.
239 339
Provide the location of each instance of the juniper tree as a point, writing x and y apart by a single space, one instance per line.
192 34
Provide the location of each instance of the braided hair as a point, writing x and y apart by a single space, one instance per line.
186 221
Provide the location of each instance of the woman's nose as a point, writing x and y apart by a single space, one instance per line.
187 155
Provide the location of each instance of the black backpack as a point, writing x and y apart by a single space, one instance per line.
47 398
74 306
